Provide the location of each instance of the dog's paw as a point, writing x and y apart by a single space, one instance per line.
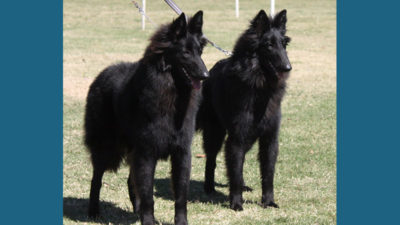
209 189
236 207
148 223
267 204
181 223
147 220
181 220
247 188
236 203
93 212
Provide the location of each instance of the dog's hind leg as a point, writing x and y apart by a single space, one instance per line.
213 138
181 166
267 155
105 156
95 187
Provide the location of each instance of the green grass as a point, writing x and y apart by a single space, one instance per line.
98 33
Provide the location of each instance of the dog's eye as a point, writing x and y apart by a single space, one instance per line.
186 52
270 45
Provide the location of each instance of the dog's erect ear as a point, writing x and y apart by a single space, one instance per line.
280 20
261 23
178 28
196 23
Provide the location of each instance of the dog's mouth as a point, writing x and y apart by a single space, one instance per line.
276 71
273 68
196 84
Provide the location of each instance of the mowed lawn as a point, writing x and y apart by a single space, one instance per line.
98 33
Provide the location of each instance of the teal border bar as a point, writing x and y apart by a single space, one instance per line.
31 112
368 118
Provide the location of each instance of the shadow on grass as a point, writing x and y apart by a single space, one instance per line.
76 210
196 192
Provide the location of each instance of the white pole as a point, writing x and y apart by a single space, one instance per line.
143 17
272 8
237 8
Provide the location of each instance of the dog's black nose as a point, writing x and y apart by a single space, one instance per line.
205 76
286 68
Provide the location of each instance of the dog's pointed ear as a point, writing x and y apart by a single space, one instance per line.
196 23
178 28
261 23
280 20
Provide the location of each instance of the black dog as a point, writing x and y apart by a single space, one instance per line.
242 97
145 111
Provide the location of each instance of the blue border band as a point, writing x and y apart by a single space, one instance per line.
368 112
31 112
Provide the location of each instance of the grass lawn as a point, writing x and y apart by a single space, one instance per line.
98 33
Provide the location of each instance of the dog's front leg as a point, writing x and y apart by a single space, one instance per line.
143 176
234 162
268 153
181 166
132 196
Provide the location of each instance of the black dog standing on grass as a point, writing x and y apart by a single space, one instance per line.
243 98
145 111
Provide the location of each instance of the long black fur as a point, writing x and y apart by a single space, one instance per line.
145 111
242 98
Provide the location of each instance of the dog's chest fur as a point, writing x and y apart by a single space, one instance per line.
175 106
260 109
176 101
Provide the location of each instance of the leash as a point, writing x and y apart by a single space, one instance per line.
178 11
141 11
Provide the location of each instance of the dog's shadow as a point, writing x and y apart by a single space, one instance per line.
76 210
196 192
